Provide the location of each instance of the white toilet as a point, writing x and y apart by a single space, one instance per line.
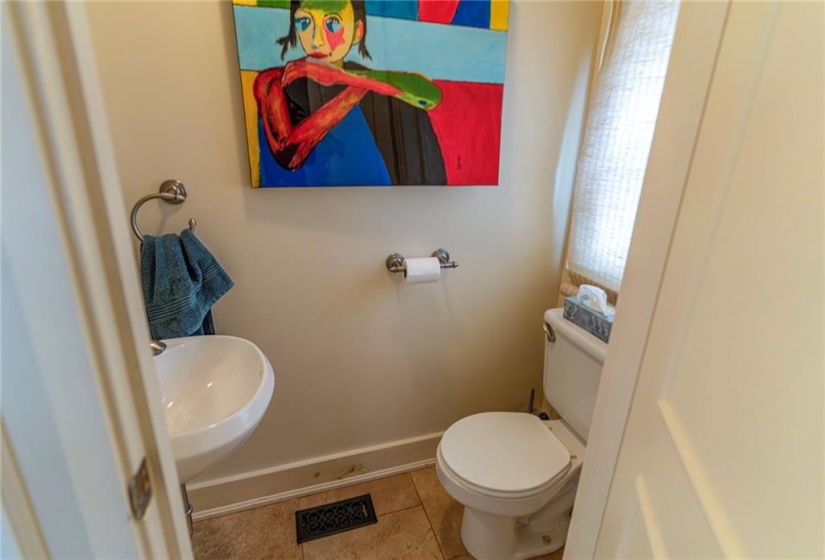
516 475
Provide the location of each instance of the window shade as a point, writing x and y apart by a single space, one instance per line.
618 132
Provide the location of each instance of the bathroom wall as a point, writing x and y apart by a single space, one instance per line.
360 359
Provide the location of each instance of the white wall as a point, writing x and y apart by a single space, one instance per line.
359 359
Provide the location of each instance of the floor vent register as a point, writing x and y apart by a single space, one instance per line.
337 517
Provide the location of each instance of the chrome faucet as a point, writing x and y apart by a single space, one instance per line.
157 346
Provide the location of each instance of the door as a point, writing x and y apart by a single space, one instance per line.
722 455
80 406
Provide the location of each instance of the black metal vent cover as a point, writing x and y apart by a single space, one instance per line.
337 517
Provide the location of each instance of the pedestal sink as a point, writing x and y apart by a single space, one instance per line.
215 390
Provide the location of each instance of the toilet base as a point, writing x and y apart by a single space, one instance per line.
492 537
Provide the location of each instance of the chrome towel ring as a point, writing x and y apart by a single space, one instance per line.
173 192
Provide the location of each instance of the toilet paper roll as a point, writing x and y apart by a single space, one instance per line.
422 270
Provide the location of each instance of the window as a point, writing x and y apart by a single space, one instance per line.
618 133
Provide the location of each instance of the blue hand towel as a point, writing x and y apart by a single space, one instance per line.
181 282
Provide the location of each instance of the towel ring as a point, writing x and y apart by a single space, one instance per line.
171 191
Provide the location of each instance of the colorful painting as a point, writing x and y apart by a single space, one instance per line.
372 92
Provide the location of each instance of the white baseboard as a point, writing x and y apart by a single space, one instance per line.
231 494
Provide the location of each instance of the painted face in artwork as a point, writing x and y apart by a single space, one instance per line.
327 29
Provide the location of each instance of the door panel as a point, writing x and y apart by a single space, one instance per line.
79 407
723 451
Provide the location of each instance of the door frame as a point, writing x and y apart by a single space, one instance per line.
66 93
59 74
699 32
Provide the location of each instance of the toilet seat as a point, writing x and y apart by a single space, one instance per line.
504 454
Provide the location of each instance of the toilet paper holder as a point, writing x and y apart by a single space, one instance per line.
395 262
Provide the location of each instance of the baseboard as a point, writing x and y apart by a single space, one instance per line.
268 486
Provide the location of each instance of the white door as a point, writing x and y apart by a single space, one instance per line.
80 406
722 456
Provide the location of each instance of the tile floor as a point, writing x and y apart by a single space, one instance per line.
416 520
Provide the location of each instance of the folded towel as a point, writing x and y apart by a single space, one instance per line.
181 281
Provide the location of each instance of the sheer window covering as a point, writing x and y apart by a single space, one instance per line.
618 133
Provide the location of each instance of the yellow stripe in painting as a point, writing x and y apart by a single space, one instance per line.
499 10
250 110
245 2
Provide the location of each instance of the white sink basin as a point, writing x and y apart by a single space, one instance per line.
215 390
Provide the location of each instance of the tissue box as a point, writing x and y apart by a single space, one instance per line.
590 320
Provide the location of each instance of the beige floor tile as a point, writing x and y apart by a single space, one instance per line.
388 494
403 535
266 532
554 556
443 512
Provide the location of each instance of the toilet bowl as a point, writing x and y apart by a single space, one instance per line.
517 475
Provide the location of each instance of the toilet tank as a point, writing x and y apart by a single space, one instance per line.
572 371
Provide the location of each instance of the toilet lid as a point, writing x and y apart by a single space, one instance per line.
504 451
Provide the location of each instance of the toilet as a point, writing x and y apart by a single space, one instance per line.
515 474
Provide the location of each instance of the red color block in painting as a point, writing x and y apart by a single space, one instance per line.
437 11
467 123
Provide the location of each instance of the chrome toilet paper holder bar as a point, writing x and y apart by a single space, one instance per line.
396 263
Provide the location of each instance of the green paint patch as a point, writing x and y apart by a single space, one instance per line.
325 6
284 4
416 89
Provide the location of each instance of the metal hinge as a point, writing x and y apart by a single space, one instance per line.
140 490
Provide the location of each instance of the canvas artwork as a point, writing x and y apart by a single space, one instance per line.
372 92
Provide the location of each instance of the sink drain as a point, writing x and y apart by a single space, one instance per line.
329 519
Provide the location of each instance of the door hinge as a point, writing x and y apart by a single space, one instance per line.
140 490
